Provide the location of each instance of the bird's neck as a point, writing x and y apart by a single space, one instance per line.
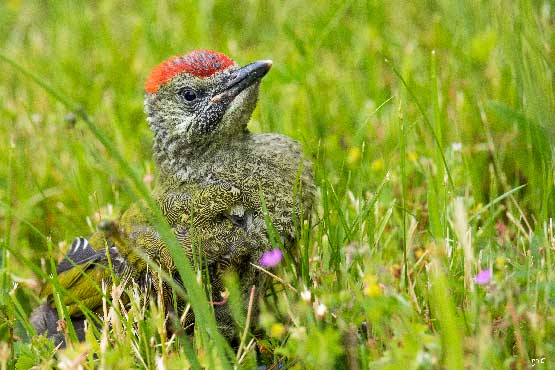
184 161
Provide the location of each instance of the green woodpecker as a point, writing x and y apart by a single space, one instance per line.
214 177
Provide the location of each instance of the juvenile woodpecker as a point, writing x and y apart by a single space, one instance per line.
214 176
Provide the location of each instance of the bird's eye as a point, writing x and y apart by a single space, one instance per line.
188 94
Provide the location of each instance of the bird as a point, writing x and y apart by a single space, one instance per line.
198 107
219 186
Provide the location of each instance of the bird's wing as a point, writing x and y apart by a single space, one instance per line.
85 256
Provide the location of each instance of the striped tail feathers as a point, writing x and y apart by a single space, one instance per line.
81 252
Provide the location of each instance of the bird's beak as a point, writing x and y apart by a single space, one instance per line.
243 78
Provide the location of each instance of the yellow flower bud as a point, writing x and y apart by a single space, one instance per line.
377 165
277 330
353 155
371 287
500 263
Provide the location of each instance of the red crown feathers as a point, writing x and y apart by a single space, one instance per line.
201 63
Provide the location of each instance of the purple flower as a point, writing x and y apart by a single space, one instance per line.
483 277
271 258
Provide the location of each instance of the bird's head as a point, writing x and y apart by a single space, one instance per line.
199 99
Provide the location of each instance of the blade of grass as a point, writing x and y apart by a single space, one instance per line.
444 310
403 154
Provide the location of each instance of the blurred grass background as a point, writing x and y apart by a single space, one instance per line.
422 117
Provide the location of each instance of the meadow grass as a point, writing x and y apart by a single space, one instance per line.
431 126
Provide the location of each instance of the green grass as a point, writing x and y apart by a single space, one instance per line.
431 127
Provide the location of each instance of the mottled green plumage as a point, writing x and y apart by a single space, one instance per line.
240 173
213 176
